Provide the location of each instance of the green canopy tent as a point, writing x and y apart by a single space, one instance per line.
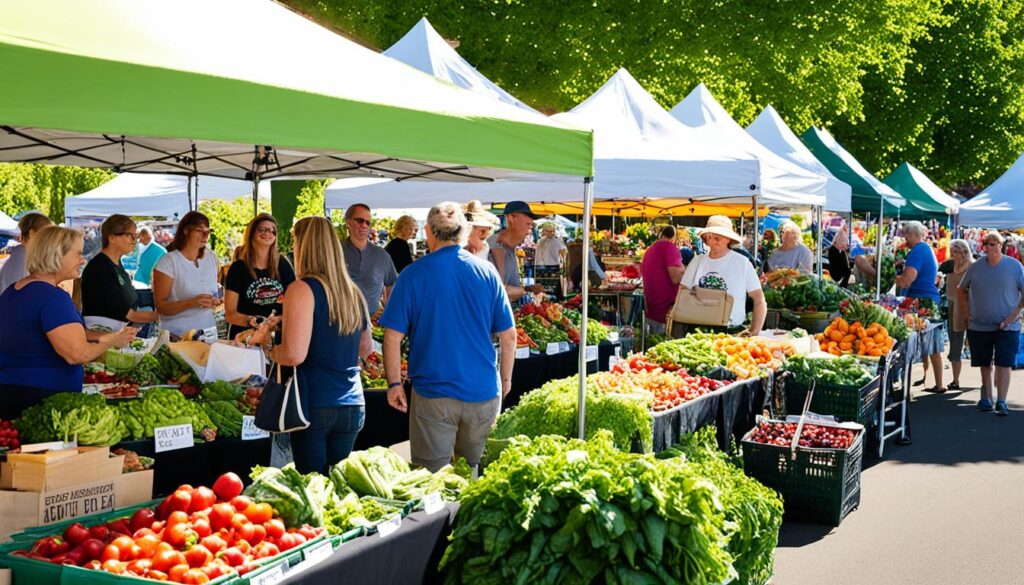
926 199
869 194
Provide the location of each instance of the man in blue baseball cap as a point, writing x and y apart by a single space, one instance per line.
518 223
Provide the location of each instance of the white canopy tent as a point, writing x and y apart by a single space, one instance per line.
771 131
780 179
8 227
1001 204
147 195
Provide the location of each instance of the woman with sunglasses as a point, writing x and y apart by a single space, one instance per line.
185 279
107 289
256 281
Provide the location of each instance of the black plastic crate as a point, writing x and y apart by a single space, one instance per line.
846 403
821 486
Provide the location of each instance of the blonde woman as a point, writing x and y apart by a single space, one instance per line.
325 332
44 342
400 248
13 269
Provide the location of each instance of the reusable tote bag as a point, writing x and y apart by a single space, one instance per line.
702 306
280 409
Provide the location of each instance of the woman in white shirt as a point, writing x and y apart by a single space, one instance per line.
481 222
719 266
185 279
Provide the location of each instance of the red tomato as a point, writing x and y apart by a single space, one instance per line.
220 515
165 560
140 567
143 532
247 532
195 577
287 541
115 567
177 517
232 556
213 571
309 532
180 500
156 575
76 534
177 573
148 544
202 527
238 520
227 486
198 555
214 543
259 513
241 503
93 548
258 534
99 532
202 498
275 528
93 565
266 549
159 525
142 518
180 535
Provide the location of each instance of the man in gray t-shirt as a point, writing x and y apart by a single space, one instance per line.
369 265
518 222
992 290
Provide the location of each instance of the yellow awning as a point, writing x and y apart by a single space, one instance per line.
648 208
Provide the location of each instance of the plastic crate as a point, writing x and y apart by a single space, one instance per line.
846 403
821 486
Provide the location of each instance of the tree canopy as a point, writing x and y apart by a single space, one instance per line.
934 82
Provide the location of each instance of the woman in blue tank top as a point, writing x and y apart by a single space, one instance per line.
325 332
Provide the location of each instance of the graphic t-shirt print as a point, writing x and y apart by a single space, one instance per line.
712 280
265 291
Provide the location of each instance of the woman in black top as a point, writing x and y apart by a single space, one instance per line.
399 248
256 281
107 289
839 259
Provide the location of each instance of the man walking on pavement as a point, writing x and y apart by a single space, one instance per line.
451 304
368 264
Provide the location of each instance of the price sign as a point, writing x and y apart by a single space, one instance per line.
613 336
389 526
318 552
432 502
618 351
522 353
209 335
271 576
173 437
91 389
591 353
250 432
612 361
553 348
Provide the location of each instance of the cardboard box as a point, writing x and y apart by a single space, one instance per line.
23 509
51 470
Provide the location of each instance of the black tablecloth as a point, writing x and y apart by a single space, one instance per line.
407 556
201 464
732 410
383 425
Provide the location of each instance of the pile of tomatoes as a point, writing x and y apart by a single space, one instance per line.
8 435
670 388
815 436
195 535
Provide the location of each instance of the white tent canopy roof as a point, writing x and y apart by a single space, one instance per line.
781 180
139 194
8 226
1000 205
423 48
640 151
771 131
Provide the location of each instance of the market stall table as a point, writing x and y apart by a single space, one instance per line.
897 400
732 409
411 554
201 464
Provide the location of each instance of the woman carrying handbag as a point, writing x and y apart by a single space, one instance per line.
326 330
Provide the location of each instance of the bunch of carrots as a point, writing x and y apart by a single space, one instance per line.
841 337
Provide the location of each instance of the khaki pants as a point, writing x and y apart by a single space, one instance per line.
442 427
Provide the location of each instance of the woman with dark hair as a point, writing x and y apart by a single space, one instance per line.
107 289
257 279
185 279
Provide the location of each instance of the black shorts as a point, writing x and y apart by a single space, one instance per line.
998 346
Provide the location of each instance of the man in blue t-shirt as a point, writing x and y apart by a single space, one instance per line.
450 304
918 280
992 290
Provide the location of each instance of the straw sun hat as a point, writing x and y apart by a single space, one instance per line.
477 216
721 225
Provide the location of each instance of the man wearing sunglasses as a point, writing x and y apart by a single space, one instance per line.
369 265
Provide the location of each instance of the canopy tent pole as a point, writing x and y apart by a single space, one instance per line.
255 194
879 240
753 238
821 236
188 192
588 201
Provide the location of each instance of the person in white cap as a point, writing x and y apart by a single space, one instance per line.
719 267
481 222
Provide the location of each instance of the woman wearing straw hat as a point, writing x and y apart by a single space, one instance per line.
719 267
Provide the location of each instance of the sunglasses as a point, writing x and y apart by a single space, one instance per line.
134 237
360 221
266 230
991 244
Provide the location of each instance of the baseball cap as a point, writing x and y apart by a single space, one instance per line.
519 207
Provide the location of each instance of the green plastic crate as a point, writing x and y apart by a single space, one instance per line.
30 535
821 486
846 403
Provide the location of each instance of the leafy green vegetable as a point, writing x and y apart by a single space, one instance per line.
842 371
694 353
39 423
285 490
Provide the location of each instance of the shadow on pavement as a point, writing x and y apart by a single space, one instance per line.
795 534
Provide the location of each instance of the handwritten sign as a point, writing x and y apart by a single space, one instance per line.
389 526
613 336
173 437
432 502
271 576
318 552
591 353
522 353
250 432
553 348
563 346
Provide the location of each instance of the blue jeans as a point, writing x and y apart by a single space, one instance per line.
328 439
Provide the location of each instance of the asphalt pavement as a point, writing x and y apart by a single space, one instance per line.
948 509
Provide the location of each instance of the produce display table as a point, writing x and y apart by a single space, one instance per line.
409 555
383 425
201 464
533 372
732 409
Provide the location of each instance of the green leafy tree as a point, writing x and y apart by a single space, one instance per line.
25 187
228 220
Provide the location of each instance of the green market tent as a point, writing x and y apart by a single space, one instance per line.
868 191
926 199
243 89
